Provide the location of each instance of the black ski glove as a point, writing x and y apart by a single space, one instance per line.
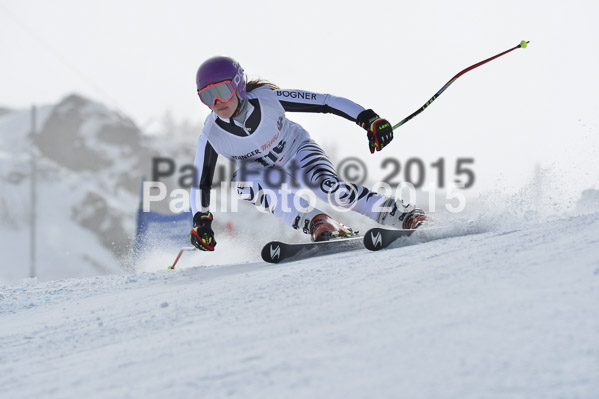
202 236
380 132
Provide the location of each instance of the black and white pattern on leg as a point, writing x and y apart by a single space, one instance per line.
320 173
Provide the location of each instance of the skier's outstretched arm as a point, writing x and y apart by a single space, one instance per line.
202 235
379 130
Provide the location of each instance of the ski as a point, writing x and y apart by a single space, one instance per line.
379 238
276 251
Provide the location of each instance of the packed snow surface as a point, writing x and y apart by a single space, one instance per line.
511 313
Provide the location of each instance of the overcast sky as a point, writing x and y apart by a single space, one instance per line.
533 106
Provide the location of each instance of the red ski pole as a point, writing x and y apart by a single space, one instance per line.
179 255
522 44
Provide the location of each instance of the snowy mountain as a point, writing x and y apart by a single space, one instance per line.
90 162
510 312
4 111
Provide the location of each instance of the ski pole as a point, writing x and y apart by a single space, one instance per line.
522 44
179 255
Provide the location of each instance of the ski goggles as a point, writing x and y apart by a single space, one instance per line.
222 91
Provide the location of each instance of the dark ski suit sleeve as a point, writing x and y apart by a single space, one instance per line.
205 165
305 101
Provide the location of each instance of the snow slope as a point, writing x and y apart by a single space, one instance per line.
504 314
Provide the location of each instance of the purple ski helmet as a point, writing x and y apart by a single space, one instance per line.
218 69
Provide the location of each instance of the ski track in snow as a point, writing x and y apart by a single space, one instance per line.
507 314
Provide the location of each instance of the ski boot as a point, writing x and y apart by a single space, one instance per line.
324 228
401 217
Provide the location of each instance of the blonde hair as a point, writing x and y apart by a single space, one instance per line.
254 84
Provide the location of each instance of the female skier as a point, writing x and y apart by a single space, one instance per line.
248 124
